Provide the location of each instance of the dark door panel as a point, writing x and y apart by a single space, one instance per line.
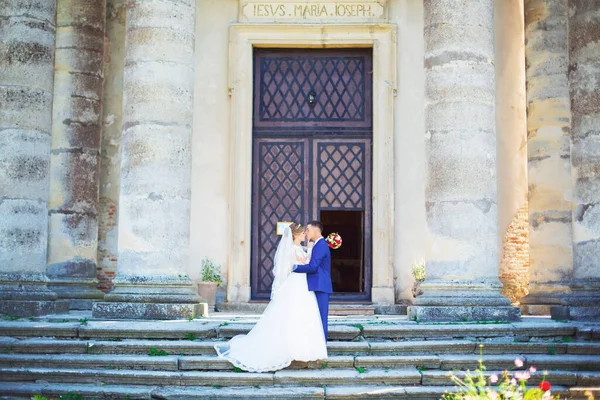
312 137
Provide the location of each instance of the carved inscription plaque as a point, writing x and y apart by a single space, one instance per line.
311 11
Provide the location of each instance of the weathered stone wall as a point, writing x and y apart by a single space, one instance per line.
27 29
461 188
514 265
26 79
410 227
154 197
210 206
511 133
584 80
74 166
110 162
548 126
461 193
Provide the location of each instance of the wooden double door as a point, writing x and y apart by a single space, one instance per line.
312 140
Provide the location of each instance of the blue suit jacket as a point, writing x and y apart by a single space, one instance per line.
318 271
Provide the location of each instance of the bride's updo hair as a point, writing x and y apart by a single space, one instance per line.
296 229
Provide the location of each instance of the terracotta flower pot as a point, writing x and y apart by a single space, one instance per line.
208 293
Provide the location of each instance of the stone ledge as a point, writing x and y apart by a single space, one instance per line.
148 311
384 361
20 308
93 391
90 361
148 329
47 329
408 376
438 378
238 393
464 313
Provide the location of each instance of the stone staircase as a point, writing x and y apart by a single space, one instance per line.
370 357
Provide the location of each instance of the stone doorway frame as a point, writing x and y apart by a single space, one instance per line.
243 38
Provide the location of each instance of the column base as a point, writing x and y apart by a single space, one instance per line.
462 301
581 304
27 295
33 308
150 297
159 311
80 293
542 297
463 313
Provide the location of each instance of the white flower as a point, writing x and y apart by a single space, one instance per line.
518 362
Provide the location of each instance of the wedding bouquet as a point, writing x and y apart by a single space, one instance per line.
334 240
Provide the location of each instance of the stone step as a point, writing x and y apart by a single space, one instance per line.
358 348
501 362
213 363
93 361
556 377
333 376
93 392
372 328
335 332
521 330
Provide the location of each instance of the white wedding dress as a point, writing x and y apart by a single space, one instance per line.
289 329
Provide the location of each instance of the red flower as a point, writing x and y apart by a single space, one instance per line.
334 240
545 386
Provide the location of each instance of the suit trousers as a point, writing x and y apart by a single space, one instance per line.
323 302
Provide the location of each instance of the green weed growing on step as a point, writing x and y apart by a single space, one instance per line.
236 369
155 352
9 317
83 321
551 350
71 396
31 319
566 339
39 397
361 370
324 365
190 336
359 326
225 324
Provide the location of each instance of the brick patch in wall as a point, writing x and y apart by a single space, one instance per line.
514 265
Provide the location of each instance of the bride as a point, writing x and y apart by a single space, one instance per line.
290 328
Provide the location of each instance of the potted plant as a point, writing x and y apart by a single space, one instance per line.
418 271
211 279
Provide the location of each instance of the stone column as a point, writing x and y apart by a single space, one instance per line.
584 82
461 194
549 153
74 164
154 200
26 76
110 161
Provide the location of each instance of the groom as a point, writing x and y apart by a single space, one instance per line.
318 271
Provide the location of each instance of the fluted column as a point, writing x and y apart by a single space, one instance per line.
461 195
584 82
27 29
549 153
74 165
154 200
